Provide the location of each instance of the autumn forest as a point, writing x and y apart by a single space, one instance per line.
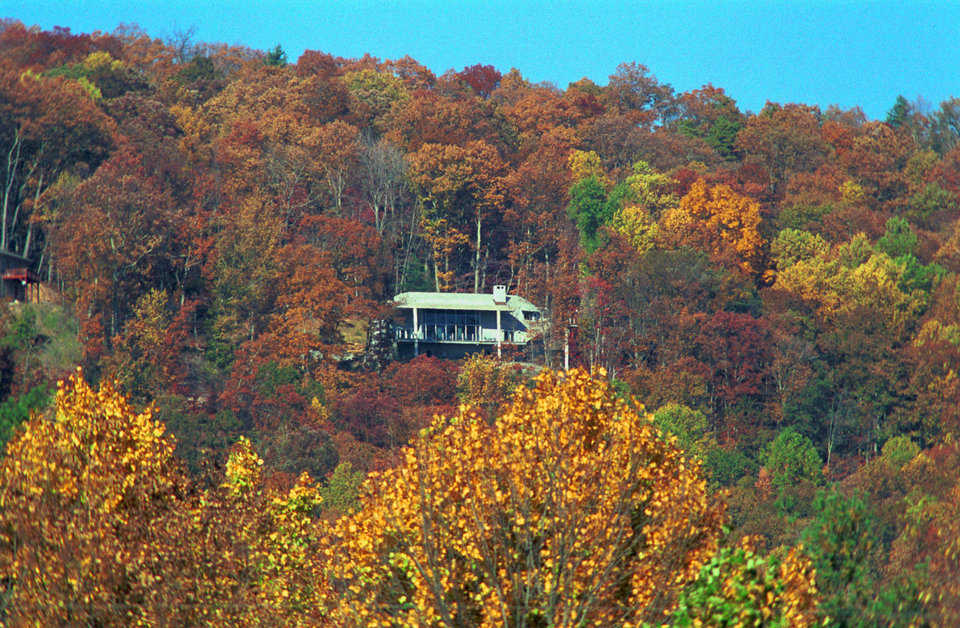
760 421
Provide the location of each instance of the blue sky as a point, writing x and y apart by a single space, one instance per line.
817 52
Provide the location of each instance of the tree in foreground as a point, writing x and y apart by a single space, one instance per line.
571 509
99 527
80 496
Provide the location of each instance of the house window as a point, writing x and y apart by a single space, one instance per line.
450 325
531 315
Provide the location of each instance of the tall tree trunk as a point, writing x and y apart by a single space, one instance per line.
476 259
407 248
377 221
13 160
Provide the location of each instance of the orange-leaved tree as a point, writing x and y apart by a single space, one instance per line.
719 221
569 510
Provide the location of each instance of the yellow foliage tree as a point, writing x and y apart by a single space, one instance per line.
852 192
77 497
651 190
635 223
720 221
568 510
101 60
853 275
486 384
378 92
584 164
267 545
99 527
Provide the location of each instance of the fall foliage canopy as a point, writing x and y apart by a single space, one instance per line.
569 509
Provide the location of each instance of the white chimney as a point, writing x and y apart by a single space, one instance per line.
500 295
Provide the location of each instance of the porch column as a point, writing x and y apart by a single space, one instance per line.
499 336
416 334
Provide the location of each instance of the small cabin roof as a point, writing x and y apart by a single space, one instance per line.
461 301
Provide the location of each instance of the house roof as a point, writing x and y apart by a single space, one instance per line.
9 259
461 301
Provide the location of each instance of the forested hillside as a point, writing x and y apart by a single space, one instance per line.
217 227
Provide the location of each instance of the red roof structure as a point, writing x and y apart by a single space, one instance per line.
17 280
23 275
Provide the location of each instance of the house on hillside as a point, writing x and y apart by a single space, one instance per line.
452 325
17 280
